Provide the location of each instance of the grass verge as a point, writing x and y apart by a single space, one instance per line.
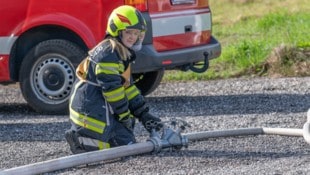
259 38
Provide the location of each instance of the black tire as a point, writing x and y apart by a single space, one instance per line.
148 82
47 75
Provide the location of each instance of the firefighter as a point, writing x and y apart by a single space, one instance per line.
105 103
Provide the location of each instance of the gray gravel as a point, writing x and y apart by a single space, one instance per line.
27 137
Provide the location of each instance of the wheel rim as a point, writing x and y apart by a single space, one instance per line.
52 78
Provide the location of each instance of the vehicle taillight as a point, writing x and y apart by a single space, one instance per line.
139 4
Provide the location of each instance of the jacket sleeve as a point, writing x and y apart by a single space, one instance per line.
108 71
136 100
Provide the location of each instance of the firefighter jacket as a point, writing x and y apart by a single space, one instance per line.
103 90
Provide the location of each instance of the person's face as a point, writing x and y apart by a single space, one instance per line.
130 36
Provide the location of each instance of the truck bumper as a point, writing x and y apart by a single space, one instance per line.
148 59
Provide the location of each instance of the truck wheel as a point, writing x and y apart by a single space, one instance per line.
47 75
148 82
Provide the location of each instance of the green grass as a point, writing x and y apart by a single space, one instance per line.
249 31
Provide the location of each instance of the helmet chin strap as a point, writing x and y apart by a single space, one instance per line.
137 45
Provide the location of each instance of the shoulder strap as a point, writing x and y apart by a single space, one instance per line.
81 71
126 75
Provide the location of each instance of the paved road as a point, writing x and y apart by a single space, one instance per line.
27 137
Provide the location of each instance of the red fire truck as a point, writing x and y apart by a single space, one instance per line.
41 43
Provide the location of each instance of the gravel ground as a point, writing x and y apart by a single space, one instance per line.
27 137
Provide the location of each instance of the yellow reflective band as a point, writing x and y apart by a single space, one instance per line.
87 122
107 68
115 95
121 67
122 115
131 92
104 64
103 145
86 141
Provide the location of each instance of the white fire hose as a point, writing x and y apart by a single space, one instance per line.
170 139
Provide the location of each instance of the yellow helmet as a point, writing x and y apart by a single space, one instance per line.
125 17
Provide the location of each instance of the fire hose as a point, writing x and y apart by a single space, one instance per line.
170 138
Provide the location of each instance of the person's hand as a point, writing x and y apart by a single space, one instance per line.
151 122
